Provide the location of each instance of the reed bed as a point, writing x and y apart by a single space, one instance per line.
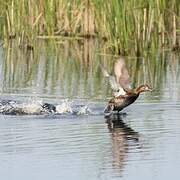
128 26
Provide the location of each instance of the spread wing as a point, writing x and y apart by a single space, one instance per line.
121 73
112 79
116 87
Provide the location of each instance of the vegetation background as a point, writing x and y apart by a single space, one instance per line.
133 25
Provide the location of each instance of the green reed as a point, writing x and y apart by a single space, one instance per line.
128 26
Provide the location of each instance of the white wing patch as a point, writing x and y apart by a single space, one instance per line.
120 80
120 92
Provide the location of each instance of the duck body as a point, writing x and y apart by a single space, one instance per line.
120 102
123 94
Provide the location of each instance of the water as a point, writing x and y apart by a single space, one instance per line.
144 143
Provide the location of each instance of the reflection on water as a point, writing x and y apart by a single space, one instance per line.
142 143
71 69
121 135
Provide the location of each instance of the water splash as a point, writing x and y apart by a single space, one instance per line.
65 107
37 107
84 110
18 108
31 107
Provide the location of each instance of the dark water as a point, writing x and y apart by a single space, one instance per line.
142 144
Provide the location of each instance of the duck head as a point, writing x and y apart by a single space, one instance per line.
143 88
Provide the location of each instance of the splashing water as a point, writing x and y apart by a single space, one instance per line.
38 107
84 110
13 107
34 107
65 107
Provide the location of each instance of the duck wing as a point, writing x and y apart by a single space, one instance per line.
117 89
121 73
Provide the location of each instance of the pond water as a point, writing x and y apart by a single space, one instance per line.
144 143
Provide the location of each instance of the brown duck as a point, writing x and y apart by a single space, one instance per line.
123 95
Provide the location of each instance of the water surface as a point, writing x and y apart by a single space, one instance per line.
144 143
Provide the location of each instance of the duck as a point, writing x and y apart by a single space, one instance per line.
123 94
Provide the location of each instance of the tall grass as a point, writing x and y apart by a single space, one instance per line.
134 25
